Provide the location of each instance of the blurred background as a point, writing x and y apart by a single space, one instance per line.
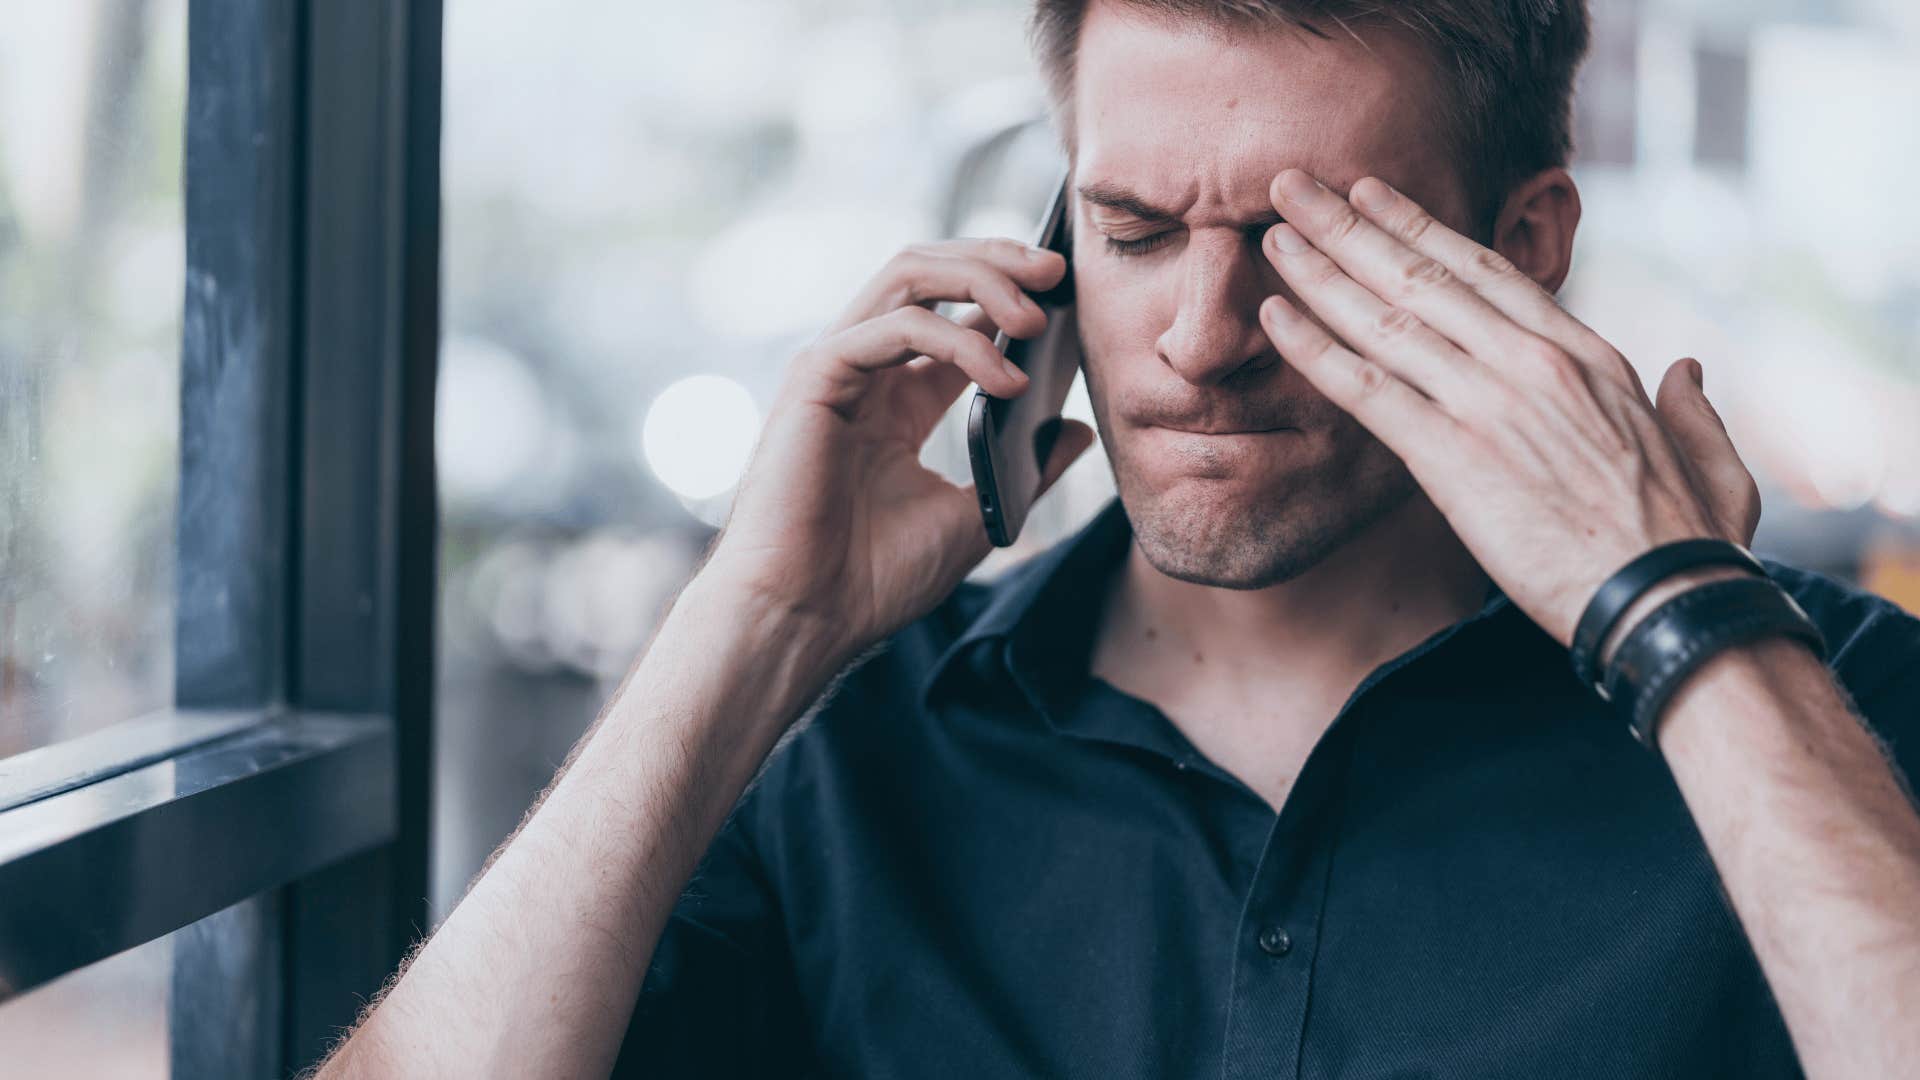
648 208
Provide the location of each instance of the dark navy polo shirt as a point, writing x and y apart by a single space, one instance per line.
975 861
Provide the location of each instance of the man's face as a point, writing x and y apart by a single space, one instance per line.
1198 123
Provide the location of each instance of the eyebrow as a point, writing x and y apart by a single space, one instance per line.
1115 197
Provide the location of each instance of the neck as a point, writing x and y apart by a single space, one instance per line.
1316 635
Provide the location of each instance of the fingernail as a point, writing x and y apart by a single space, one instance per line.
1288 239
1298 186
1699 375
1372 194
1037 253
1013 371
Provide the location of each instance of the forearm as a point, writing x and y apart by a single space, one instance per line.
1818 846
537 970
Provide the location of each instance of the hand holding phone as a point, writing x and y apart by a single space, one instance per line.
836 518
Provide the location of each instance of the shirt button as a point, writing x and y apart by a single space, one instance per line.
1275 941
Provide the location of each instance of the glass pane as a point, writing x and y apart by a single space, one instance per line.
91 256
107 1021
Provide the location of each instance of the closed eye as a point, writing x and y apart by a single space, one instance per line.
1256 234
1137 247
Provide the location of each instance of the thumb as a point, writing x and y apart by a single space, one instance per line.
1070 438
1701 436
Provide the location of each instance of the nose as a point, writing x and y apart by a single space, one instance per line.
1216 326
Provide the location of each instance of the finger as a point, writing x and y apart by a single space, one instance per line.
1389 335
1701 436
1396 413
994 273
1071 438
974 317
846 360
1383 259
924 278
932 385
1490 275
1035 268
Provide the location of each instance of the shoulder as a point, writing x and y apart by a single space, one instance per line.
860 759
870 712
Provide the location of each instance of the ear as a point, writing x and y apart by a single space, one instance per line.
1535 227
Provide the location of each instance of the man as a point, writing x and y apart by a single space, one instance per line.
1279 767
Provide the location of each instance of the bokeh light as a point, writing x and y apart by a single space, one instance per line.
698 433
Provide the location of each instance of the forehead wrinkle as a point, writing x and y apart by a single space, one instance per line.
1153 113
1237 159
1227 186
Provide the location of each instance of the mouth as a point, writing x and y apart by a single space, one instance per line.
1229 454
1224 431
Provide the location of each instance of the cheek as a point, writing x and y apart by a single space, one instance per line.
1117 312
1363 461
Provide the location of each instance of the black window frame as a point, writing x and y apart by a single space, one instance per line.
277 816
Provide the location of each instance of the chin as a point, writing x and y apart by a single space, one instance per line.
1210 533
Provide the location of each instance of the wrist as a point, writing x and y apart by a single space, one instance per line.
792 652
1772 700
766 597
1741 680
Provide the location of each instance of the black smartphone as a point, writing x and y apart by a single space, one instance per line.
1008 439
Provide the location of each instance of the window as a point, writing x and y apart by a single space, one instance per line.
218 514
92 108
105 1020
92 99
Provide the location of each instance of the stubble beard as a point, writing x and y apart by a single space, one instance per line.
1252 547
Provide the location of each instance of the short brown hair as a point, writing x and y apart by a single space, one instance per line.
1509 63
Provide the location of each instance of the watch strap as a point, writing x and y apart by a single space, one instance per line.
1631 581
1681 635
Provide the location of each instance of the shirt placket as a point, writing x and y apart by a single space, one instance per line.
1275 944
1277 940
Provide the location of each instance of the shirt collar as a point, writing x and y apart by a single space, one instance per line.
1046 606
1047 592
